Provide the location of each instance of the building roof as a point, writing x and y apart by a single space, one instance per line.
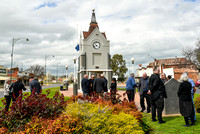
93 25
171 62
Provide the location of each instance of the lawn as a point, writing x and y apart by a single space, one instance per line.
173 125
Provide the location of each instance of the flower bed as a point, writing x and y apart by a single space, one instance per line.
78 115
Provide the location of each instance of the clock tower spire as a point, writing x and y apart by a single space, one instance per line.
93 19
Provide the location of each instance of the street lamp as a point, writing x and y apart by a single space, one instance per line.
133 60
57 72
66 67
13 43
74 58
45 66
21 65
75 91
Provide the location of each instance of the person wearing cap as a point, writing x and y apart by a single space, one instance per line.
130 87
35 86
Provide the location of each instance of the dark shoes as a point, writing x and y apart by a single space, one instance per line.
161 122
186 125
154 120
148 111
142 110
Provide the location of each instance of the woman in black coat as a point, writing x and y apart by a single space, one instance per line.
185 100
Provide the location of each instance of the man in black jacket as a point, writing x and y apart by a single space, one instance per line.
91 85
35 86
105 83
17 89
85 86
99 85
158 94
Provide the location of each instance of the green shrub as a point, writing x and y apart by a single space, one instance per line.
197 104
99 119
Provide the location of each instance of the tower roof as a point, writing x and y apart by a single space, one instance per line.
93 19
93 25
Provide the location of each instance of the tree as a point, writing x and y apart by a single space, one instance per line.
118 66
193 54
37 70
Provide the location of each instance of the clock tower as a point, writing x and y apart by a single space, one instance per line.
94 56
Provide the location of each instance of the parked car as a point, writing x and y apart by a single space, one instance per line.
197 83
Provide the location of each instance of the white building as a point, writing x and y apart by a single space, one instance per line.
94 56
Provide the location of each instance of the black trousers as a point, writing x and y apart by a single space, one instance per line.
186 120
157 105
131 95
147 97
8 100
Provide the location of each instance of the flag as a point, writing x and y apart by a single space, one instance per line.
77 47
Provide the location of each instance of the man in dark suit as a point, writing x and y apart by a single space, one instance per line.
143 91
17 88
91 85
105 83
99 85
158 93
35 86
85 86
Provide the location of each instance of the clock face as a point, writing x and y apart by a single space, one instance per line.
96 45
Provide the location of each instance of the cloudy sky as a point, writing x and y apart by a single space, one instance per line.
143 29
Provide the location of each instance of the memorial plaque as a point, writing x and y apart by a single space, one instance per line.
171 105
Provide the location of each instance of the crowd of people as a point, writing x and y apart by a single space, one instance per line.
13 89
151 89
97 86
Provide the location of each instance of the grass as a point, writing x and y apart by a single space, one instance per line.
173 125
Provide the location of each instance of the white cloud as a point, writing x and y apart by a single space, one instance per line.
135 28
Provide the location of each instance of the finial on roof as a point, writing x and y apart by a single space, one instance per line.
93 19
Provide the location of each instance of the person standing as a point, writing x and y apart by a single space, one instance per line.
158 93
185 100
99 85
164 78
7 94
17 88
105 83
35 86
91 85
85 86
193 90
143 91
130 87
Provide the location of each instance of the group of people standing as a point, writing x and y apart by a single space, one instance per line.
153 90
98 85
12 90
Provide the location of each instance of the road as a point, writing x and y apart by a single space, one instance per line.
28 90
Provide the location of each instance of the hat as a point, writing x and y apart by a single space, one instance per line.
132 74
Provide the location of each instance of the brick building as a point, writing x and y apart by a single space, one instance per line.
174 67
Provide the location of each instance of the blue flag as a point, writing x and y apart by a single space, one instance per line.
77 47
